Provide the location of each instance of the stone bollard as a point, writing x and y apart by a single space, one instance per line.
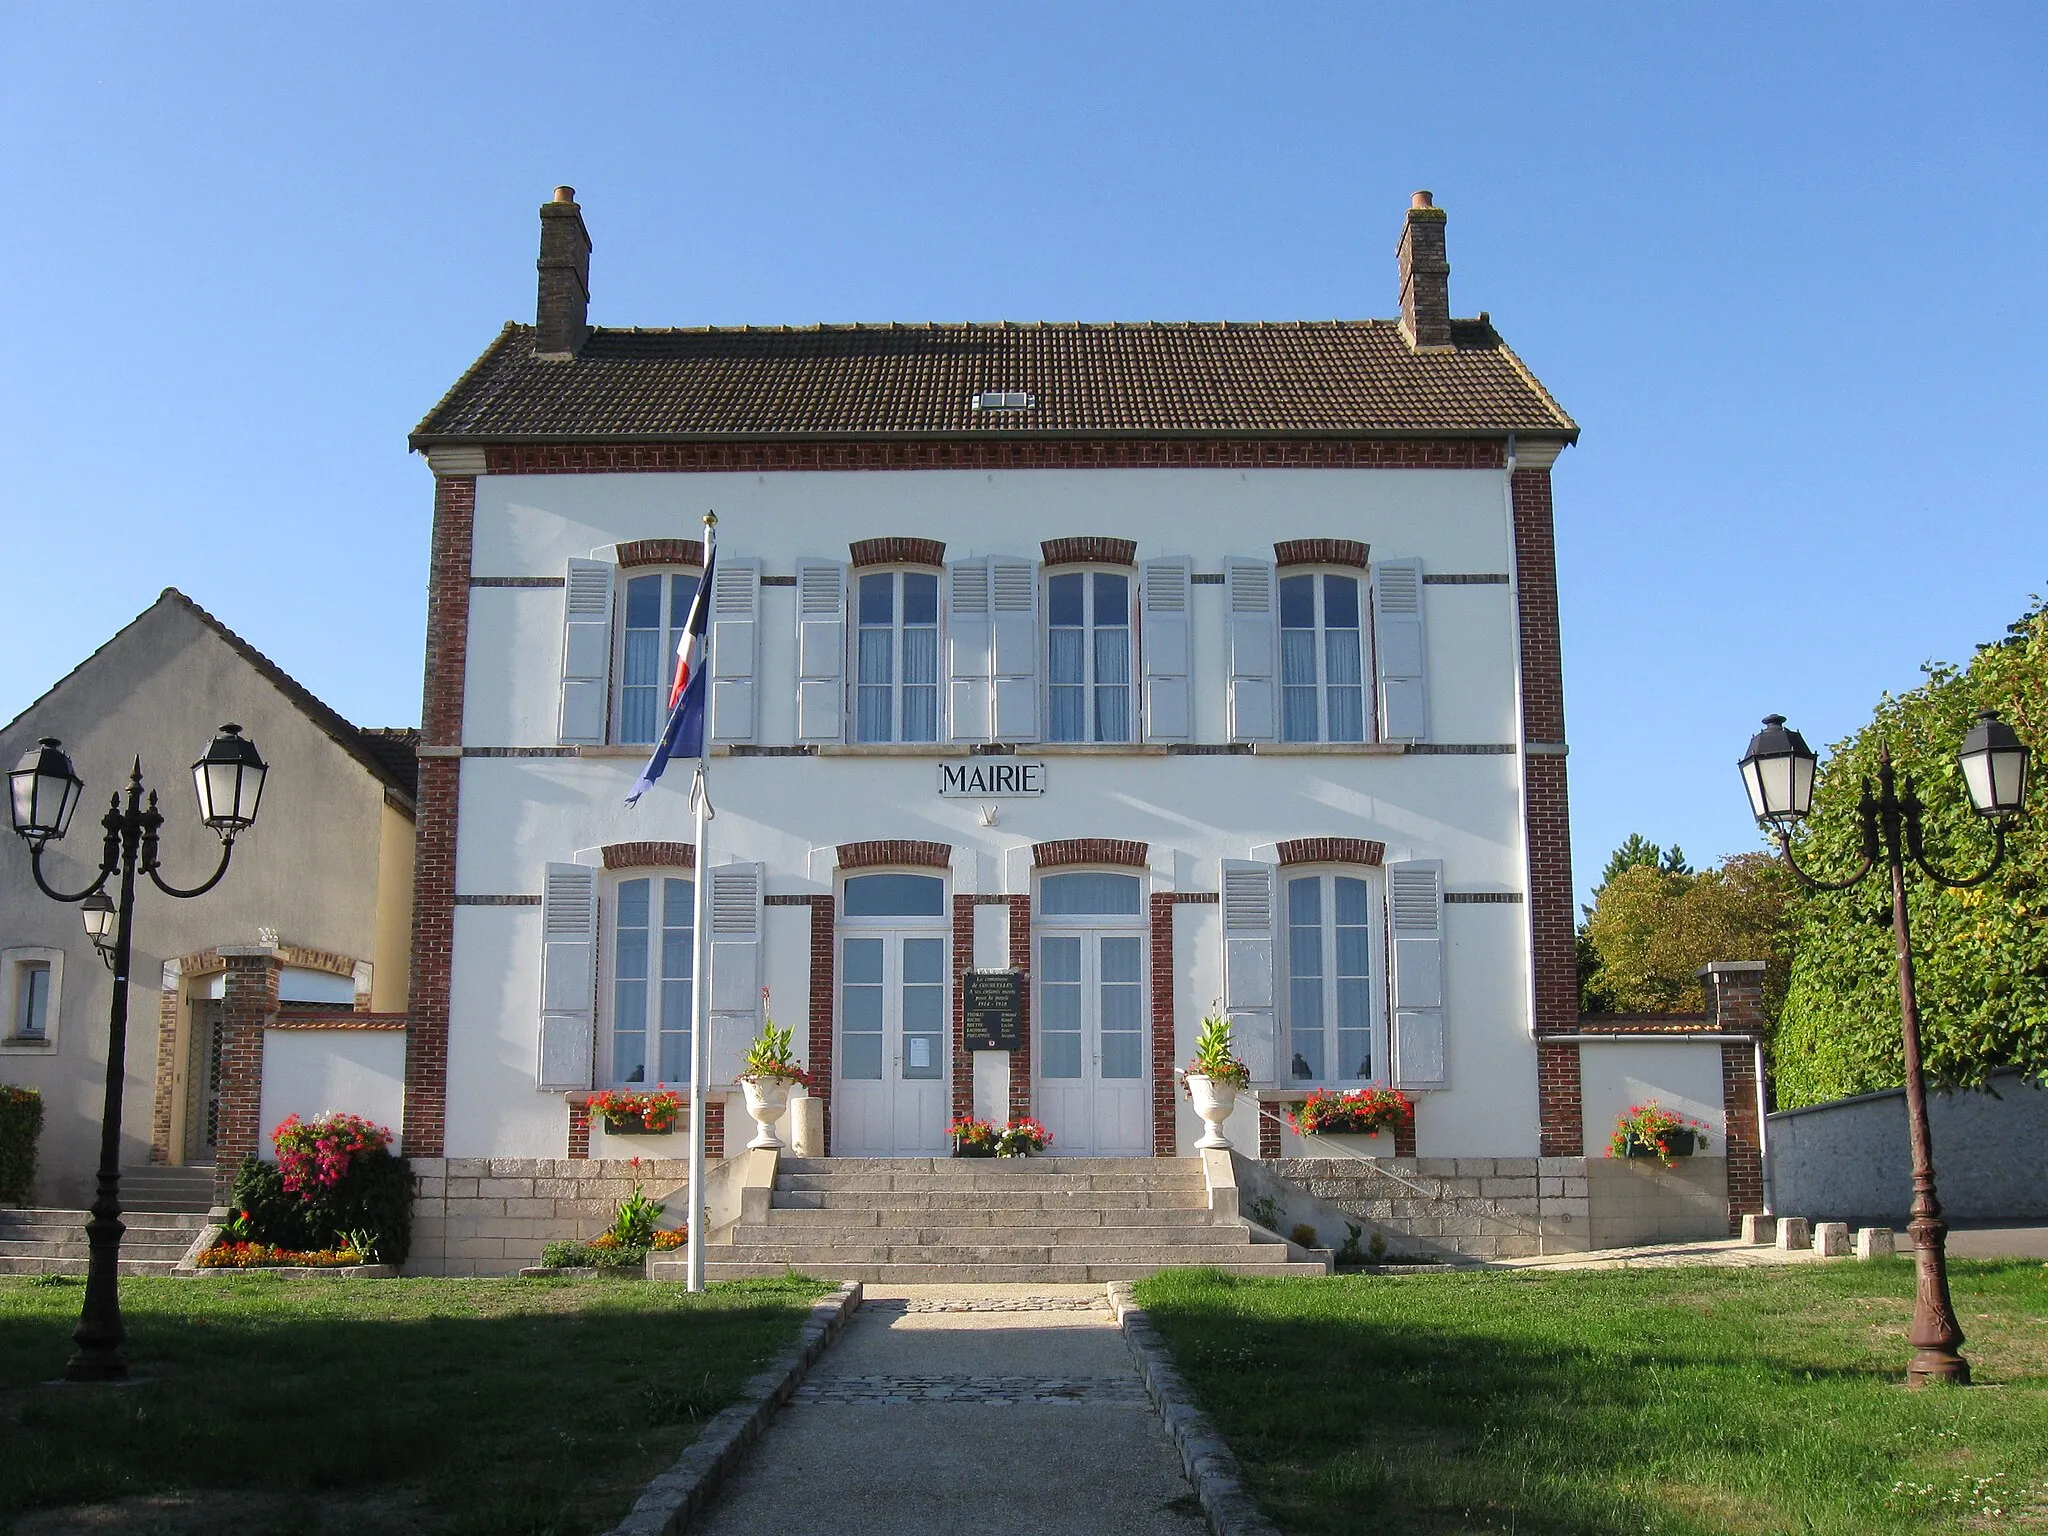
1874 1243
1757 1231
1794 1235
1831 1239
807 1127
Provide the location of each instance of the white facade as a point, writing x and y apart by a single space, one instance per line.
1203 785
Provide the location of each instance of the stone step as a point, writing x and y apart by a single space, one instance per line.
164 1221
157 1187
965 1274
977 1182
949 1235
802 1255
824 1217
1006 1166
69 1266
78 1248
966 1199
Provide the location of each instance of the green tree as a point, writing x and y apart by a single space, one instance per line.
1652 928
1981 955
1636 852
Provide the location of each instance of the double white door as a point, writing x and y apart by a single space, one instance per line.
892 1091
1093 1086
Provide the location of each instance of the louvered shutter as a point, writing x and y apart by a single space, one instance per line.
820 650
1248 993
735 968
735 648
1013 600
1169 701
586 652
1397 642
1415 908
1252 644
970 651
568 978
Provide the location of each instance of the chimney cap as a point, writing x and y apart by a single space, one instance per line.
1419 200
568 194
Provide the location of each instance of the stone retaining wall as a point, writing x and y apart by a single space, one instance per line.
1480 1207
491 1216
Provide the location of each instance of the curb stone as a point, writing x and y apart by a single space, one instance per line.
668 1503
1210 1464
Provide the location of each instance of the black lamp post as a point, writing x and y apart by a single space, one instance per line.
1778 771
44 790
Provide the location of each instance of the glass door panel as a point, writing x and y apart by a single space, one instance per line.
892 1090
1091 1058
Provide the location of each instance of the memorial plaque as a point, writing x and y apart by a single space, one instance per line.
994 1006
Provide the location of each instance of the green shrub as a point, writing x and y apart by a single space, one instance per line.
21 1122
374 1196
571 1255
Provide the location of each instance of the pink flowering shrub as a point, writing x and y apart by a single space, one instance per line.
317 1154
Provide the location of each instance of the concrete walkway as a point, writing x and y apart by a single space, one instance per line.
942 1409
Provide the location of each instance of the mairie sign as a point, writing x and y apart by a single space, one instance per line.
990 779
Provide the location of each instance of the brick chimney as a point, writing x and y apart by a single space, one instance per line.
562 317
1425 277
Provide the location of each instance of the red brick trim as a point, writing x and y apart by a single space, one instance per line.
824 970
1020 961
433 899
579 1132
286 1019
999 453
1090 549
1643 1023
1089 850
172 1044
249 1001
1404 1139
1332 850
1321 552
1745 1141
1269 1132
1560 1114
963 962
897 551
895 850
649 856
1164 1049
688 552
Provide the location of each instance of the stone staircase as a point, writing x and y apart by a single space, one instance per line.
1042 1219
44 1242
159 1188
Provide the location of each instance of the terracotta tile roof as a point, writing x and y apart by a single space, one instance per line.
1341 377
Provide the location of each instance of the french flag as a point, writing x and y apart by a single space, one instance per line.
683 736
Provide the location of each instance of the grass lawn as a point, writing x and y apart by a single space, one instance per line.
1685 1400
536 1407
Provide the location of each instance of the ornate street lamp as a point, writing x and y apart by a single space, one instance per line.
43 791
1778 771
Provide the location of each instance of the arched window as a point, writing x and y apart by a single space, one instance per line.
1088 656
896 656
655 605
1322 657
893 896
1330 1024
653 954
1088 893
891 1097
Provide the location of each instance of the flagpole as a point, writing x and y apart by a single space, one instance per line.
700 969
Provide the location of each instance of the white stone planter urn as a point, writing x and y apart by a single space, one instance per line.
767 1100
1215 1098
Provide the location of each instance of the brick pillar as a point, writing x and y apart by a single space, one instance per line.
248 1005
579 1132
433 890
963 962
1020 960
1735 1006
824 925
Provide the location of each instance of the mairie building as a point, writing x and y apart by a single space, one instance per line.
1171 667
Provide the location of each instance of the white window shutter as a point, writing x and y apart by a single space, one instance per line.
735 648
568 978
1254 618
735 968
1397 642
1248 991
1169 701
820 650
1415 916
1013 600
586 652
970 651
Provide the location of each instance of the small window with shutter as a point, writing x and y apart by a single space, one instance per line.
650 992
653 607
896 656
1088 656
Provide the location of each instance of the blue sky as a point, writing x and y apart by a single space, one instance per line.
1784 268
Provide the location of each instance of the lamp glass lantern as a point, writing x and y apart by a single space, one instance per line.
1994 763
44 790
97 913
229 780
1778 773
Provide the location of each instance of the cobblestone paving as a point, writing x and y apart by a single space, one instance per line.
992 1304
992 1391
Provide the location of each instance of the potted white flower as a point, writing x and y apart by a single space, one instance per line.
1214 1079
771 1071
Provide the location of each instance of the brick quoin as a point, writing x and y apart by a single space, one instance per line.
1269 1134
963 962
1745 1144
1332 850
433 899
649 856
895 850
1164 1083
579 1132
1088 850
688 552
897 551
1557 1099
1320 552
996 453
1090 549
824 925
248 1002
1020 961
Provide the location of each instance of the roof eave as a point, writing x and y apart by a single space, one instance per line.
1566 432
